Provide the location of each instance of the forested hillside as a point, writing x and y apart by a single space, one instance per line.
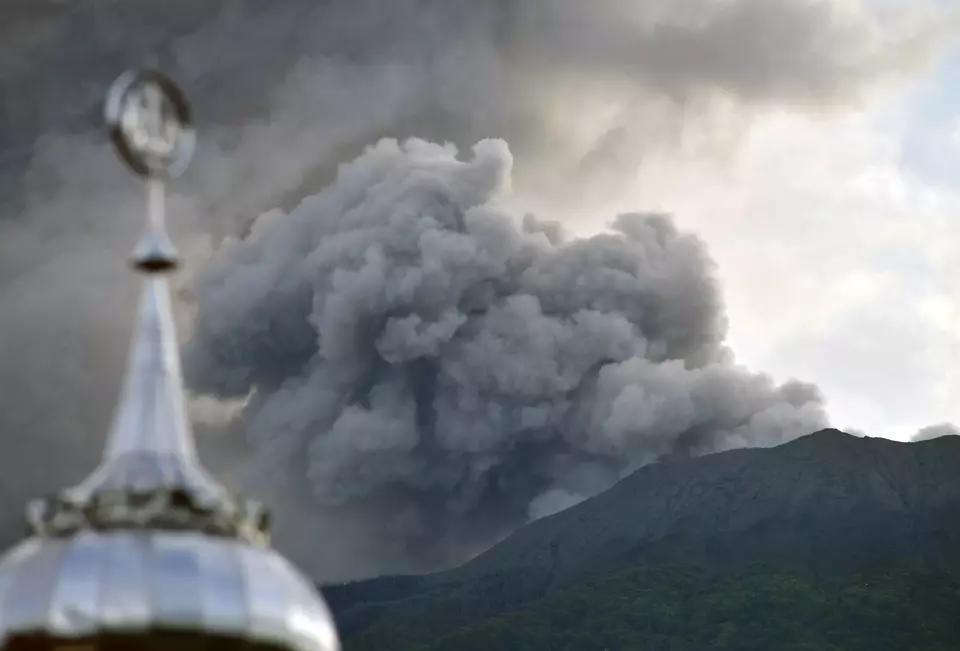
831 542
667 608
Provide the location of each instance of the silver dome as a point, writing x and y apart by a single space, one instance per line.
93 584
151 551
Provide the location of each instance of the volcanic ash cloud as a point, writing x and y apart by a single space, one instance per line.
410 348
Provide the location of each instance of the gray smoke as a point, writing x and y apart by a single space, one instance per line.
936 431
408 344
586 93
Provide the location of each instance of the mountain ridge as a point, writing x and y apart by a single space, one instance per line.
829 503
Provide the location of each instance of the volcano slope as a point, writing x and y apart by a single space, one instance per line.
830 541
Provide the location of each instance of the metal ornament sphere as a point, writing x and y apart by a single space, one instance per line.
150 124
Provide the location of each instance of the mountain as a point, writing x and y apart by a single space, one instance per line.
823 514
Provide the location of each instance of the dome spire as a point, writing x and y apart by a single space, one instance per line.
149 123
149 474
150 551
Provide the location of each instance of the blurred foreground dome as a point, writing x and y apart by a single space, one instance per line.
151 552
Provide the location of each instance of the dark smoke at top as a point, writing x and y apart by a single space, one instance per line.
412 349
285 91
585 93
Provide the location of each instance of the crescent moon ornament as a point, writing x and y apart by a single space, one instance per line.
150 123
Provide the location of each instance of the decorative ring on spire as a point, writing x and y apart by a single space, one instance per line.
150 124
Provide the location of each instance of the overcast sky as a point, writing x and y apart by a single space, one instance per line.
838 244
839 247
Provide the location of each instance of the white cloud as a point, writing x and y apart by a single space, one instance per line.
955 132
839 254
840 267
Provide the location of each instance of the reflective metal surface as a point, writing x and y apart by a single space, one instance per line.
135 582
150 475
150 551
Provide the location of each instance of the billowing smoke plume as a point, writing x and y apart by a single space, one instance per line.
409 344
589 95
